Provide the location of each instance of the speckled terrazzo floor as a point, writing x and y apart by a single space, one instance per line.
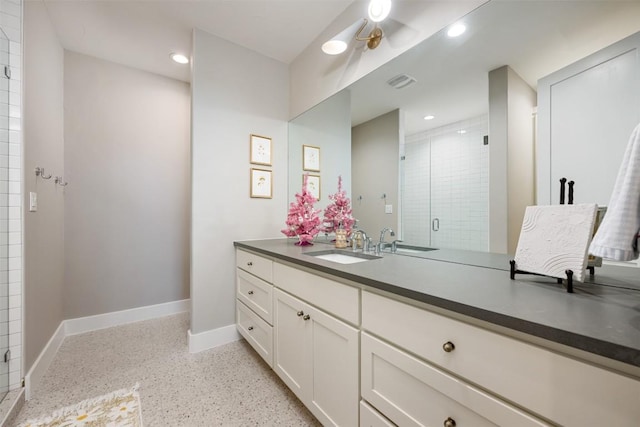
226 386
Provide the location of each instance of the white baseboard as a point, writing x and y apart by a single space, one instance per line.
42 363
212 338
93 323
81 325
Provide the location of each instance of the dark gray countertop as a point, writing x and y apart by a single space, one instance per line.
601 318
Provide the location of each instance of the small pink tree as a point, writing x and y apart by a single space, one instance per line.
338 211
302 220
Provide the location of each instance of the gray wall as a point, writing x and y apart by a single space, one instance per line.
127 202
235 92
44 147
328 126
375 158
511 157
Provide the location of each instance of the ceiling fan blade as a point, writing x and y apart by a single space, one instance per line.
397 33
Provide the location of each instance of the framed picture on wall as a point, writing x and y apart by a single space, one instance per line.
260 150
261 185
313 185
310 158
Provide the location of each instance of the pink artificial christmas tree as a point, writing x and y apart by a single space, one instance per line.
338 212
302 220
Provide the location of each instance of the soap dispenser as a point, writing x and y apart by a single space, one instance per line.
341 237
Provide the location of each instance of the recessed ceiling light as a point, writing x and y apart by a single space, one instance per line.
462 131
456 29
429 117
179 58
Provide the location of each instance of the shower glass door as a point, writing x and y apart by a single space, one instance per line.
445 183
4 214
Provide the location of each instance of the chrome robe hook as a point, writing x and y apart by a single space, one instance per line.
40 173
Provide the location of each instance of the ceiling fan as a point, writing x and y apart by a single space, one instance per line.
378 10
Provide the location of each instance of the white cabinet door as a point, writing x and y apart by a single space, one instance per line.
292 349
334 353
317 356
586 113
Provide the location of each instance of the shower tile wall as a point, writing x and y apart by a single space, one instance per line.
11 192
447 177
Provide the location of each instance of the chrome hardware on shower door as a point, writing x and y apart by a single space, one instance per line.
435 224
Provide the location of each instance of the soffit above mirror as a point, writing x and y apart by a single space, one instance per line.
534 38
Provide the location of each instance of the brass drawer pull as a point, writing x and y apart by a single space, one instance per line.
449 422
250 328
249 263
306 317
250 292
449 347
300 313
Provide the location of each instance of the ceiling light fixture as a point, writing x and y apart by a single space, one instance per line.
179 58
340 41
429 117
462 131
456 29
378 11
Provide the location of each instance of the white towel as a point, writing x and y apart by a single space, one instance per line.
616 237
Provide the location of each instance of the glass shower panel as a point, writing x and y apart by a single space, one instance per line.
460 187
445 198
5 74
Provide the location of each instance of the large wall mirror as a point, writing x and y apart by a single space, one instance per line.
462 178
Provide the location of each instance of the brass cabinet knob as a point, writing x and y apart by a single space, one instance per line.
250 328
250 292
306 317
249 263
448 347
300 313
449 422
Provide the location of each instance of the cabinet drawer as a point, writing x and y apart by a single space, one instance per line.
556 387
256 331
336 298
411 392
369 417
255 264
256 294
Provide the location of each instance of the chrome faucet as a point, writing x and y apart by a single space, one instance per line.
383 232
382 244
364 245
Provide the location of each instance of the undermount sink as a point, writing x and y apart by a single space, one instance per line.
414 250
342 257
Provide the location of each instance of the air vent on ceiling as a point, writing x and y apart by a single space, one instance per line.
400 81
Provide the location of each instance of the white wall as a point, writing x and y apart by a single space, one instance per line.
235 92
327 126
11 214
315 76
127 202
375 162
